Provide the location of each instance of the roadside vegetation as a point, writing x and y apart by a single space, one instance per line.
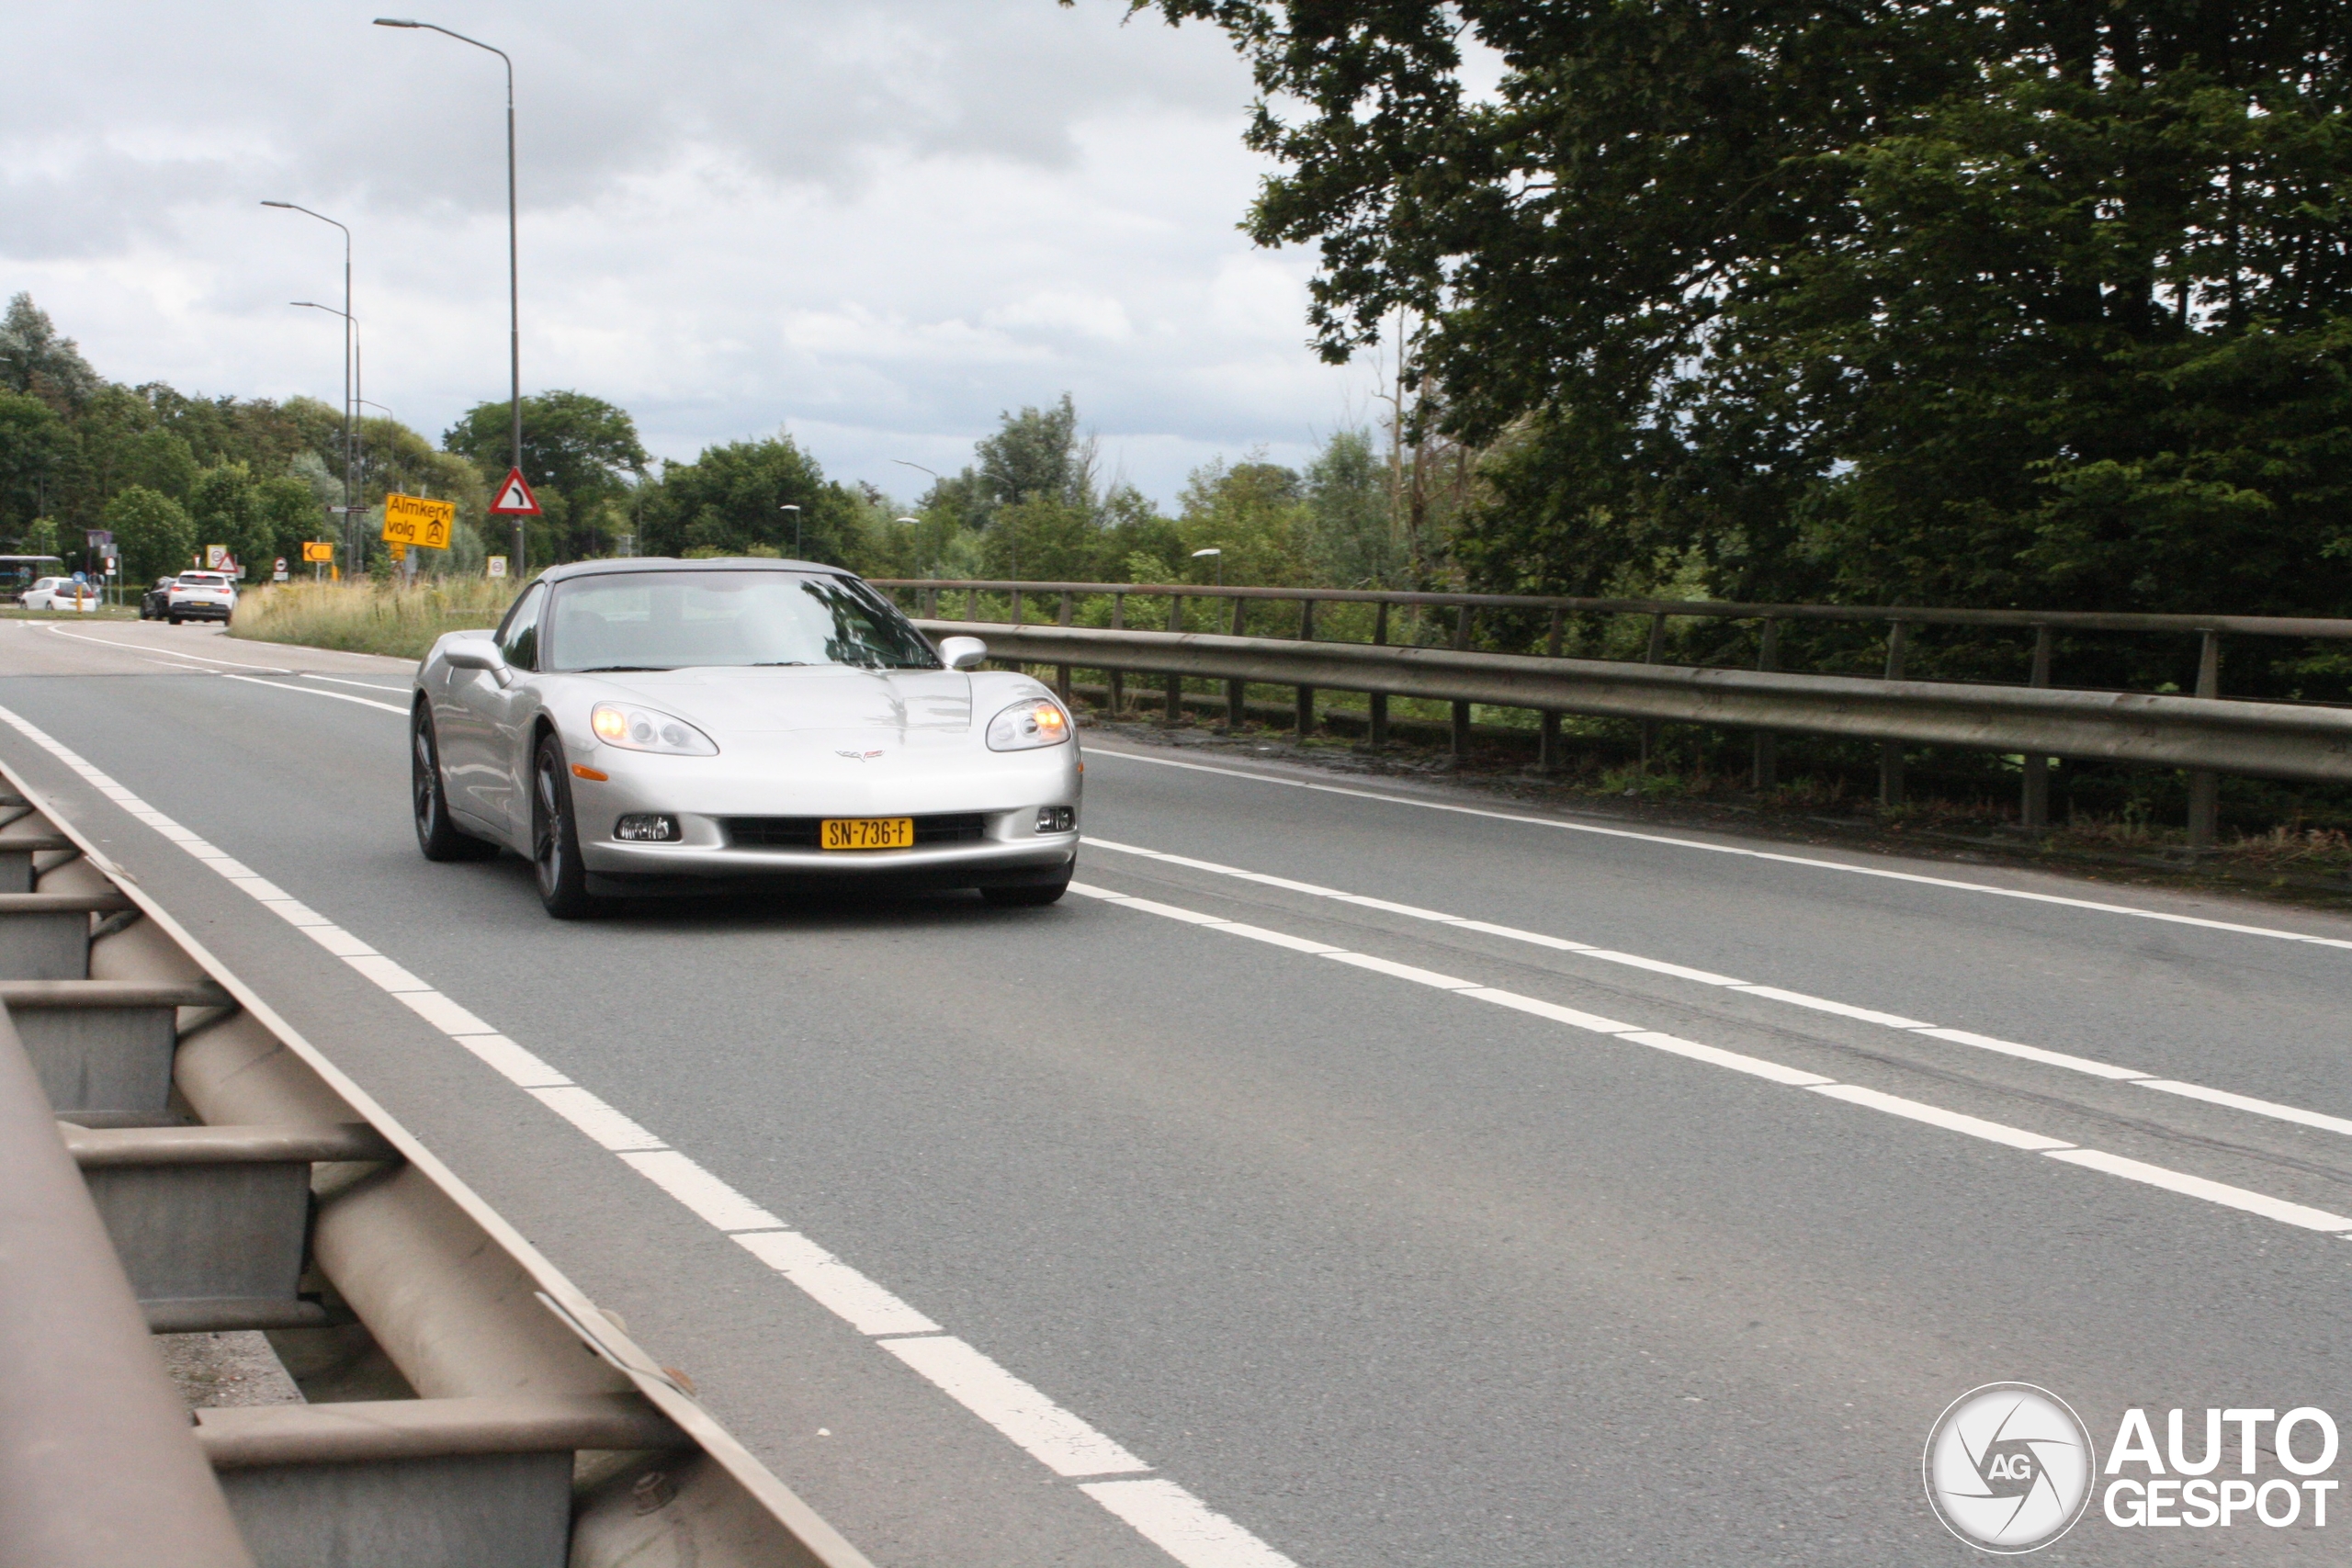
401 621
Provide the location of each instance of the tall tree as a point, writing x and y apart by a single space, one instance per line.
730 500
35 360
153 532
2045 302
580 454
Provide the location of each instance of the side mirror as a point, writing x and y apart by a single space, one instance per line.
478 653
962 652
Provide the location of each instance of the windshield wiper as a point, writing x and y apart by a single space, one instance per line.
624 669
779 665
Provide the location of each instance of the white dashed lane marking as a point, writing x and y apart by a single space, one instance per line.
1587 951
2228 1196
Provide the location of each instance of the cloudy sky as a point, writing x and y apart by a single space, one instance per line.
876 224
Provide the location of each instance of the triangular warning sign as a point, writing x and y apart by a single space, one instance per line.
515 497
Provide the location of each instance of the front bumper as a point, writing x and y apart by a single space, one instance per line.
706 796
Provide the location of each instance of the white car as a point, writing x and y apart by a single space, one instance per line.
59 594
201 596
669 727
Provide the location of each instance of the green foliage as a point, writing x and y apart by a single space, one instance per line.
35 360
728 500
1256 513
580 455
33 441
154 531
2011 304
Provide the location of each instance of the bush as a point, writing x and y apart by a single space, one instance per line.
365 618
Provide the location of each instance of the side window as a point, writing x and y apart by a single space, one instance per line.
518 638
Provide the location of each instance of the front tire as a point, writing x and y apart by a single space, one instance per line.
555 838
435 834
174 619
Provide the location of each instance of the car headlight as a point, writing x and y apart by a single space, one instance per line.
642 730
1036 721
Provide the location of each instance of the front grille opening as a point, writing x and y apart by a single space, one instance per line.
801 832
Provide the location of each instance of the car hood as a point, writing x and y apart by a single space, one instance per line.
779 701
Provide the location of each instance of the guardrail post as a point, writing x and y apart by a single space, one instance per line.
2033 812
1175 682
972 605
2204 784
1890 752
1061 671
1765 774
1236 692
1656 654
1016 616
1117 678
1377 734
1305 693
1462 710
1547 731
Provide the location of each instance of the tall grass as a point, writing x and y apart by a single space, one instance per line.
366 618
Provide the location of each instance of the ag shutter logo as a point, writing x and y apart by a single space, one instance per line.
2008 1467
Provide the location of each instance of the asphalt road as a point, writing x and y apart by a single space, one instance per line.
1391 1239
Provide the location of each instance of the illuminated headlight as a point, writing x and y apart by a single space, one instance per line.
642 730
1032 722
643 828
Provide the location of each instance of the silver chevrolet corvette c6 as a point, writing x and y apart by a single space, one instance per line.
665 726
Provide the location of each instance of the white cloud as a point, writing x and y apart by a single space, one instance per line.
878 225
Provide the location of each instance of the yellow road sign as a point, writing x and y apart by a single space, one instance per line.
314 552
413 520
400 551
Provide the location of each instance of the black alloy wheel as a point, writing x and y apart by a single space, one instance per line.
435 834
555 838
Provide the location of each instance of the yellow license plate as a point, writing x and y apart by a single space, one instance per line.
867 833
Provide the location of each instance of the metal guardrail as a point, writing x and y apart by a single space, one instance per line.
174 1158
2276 739
2326 628
1899 621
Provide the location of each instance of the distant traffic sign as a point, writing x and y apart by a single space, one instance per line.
498 566
413 520
214 555
313 550
515 497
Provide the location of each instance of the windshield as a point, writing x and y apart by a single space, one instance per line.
677 620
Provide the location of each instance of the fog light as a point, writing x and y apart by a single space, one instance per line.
1057 819
644 828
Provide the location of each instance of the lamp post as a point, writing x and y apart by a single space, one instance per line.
918 523
513 263
354 541
350 351
1219 556
796 527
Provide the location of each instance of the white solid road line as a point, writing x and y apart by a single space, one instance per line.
2239 1198
1769 993
174 652
1169 1516
312 691
1809 862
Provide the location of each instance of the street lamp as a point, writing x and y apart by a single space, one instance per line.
796 528
513 263
350 348
1219 557
353 508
